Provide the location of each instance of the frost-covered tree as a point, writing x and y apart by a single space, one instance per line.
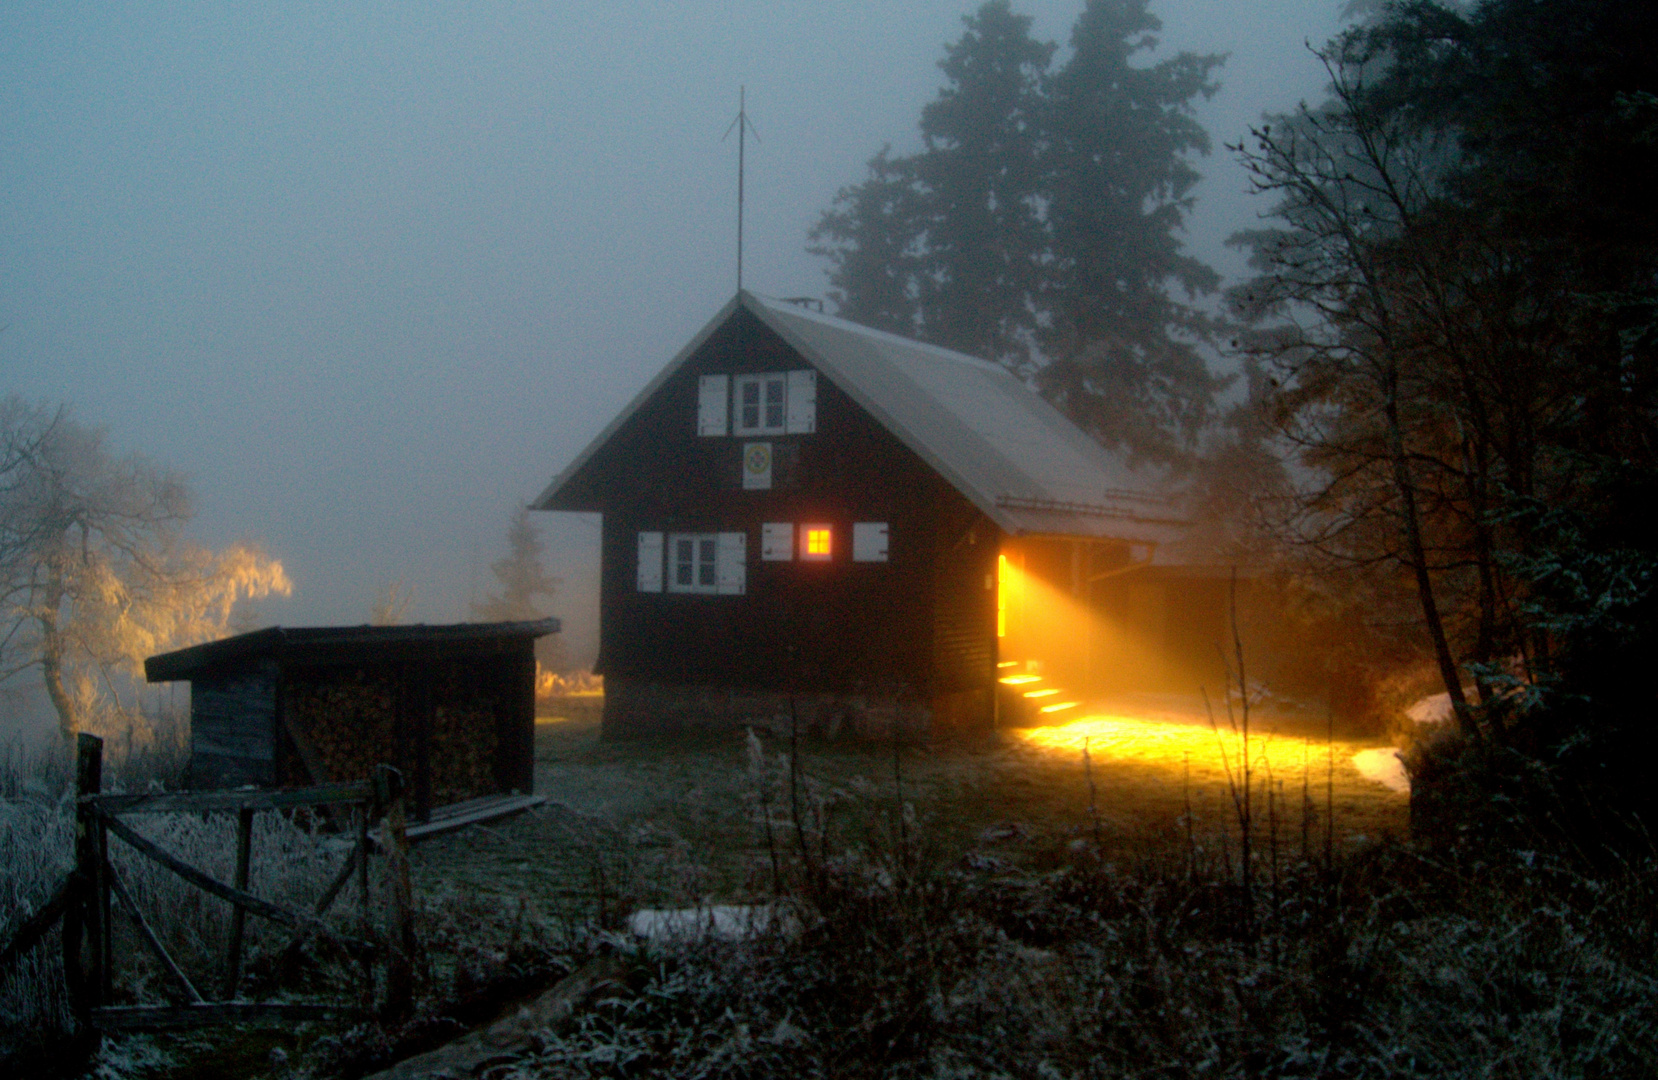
97 574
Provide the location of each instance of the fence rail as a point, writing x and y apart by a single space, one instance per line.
83 901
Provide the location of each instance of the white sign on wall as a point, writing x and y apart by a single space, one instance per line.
757 466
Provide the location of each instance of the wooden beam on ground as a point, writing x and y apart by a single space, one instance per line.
149 934
154 1017
475 812
205 802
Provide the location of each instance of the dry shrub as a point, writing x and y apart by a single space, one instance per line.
1390 966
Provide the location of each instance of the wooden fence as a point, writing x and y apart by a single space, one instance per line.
83 902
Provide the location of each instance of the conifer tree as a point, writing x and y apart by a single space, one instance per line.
1038 224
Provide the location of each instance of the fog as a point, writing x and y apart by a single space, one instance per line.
369 275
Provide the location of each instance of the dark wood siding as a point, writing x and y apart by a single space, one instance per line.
964 606
839 626
457 718
232 724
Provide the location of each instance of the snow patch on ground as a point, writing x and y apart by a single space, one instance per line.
1433 709
1384 767
724 922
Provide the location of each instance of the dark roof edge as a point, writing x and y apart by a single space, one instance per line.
550 493
183 663
899 431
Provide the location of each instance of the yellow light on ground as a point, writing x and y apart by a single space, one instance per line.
1060 706
1050 692
1208 754
1007 663
1019 680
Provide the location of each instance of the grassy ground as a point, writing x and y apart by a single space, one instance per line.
645 824
650 824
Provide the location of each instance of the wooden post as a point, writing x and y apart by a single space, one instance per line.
89 780
238 917
400 961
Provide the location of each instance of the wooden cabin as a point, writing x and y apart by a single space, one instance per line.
800 509
453 707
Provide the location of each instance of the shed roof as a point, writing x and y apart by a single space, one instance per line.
314 643
1004 448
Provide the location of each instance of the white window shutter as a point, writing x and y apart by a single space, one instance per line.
802 402
731 564
869 541
650 562
777 541
713 404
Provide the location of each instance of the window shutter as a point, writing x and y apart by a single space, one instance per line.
650 562
869 541
777 541
731 564
802 402
713 404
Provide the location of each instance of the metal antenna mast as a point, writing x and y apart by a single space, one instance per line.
743 127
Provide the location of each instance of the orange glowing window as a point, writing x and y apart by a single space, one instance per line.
816 542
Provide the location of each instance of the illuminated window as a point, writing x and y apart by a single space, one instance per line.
816 543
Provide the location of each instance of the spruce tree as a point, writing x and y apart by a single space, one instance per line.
1038 224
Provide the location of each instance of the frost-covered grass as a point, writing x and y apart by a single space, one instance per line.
291 865
1389 966
959 919
37 837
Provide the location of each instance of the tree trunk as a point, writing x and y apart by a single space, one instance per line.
51 659
1448 670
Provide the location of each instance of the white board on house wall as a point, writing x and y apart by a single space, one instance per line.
802 401
777 541
713 404
869 541
731 564
650 562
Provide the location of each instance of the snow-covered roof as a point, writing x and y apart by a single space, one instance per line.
1004 448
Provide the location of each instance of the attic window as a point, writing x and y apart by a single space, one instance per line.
762 404
771 403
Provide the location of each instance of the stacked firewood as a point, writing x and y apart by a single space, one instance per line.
349 721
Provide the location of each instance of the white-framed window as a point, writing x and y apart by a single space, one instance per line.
709 563
761 404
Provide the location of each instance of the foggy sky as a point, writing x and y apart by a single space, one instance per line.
369 275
